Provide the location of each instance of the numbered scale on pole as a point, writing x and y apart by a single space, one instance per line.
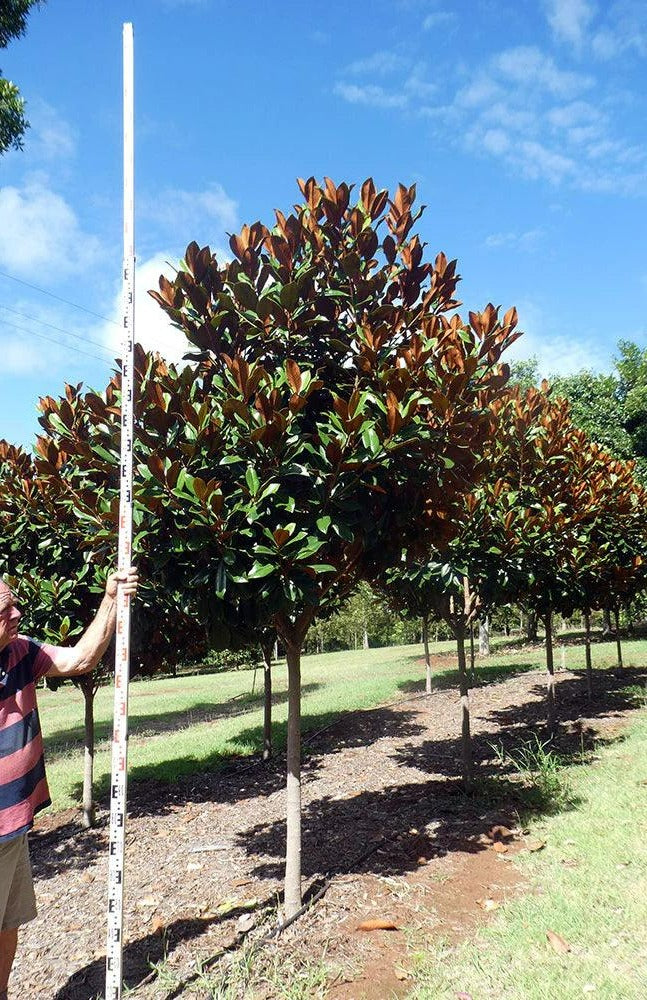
118 783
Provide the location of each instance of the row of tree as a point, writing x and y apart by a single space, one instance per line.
338 423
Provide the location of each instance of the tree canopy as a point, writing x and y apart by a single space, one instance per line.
13 123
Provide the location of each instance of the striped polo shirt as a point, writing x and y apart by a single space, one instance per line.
23 785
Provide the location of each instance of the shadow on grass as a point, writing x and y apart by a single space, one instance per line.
61 741
218 777
485 674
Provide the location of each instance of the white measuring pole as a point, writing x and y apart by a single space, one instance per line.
114 947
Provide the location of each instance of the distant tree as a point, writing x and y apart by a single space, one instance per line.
13 124
632 372
596 407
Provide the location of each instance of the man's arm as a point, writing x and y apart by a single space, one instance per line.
69 661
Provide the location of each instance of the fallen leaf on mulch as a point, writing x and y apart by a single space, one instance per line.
499 832
377 924
245 923
157 926
422 861
558 943
499 847
146 902
488 904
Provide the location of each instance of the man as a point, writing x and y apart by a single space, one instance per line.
23 784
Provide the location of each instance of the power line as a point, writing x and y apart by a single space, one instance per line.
67 302
53 340
59 329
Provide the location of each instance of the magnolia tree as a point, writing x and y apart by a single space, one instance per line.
476 571
610 546
573 517
338 415
58 514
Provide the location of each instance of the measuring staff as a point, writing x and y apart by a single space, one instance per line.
114 943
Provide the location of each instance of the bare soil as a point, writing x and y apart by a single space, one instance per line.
387 827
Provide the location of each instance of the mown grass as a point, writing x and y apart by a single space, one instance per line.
588 885
188 724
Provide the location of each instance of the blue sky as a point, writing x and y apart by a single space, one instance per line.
522 124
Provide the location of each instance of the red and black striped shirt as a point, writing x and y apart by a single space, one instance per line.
23 785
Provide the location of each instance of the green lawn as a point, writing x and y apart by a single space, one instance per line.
190 723
588 885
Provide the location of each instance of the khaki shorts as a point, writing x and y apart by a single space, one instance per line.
17 900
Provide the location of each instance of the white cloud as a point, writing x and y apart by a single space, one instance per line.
527 241
39 229
369 94
412 92
439 19
529 67
380 63
556 353
200 215
569 19
50 137
20 358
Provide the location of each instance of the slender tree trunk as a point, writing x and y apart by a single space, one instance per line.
616 615
466 739
425 642
550 668
484 637
531 626
87 687
587 654
267 700
472 654
365 642
293 835
606 620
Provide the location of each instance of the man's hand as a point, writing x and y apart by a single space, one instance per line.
127 578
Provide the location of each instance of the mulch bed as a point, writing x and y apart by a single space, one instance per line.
385 819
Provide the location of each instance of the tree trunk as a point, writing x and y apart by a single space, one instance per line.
425 642
606 620
587 654
466 739
267 700
548 624
293 834
87 687
616 615
365 642
472 654
531 626
484 637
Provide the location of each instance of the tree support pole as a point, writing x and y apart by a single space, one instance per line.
466 738
267 700
293 833
616 615
550 668
587 654
425 642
